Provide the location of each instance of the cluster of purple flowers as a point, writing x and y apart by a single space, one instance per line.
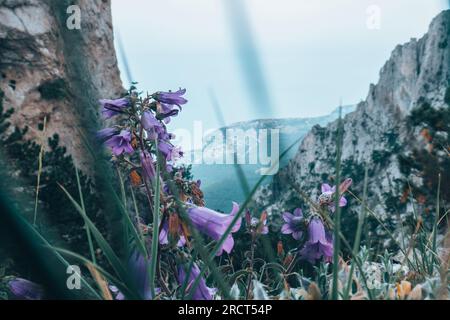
140 141
319 243
143 131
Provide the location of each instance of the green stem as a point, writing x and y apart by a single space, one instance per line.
337 215
88 232
155 235
38 182
436 218
361 219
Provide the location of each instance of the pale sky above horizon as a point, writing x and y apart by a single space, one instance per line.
313 53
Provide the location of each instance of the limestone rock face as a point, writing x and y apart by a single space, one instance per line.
50 70
417 73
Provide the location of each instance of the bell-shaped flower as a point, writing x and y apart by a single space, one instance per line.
148 168
214 224
114 107
294 223
106 133
318 245
326 198
202 292
24 289
138 270
170 97
120 143
151 125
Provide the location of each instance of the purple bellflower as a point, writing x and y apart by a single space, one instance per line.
170 152
106 133
170 97
165 111
138 267
120 143
327 196
110 108
151 125
202 292
318 245
215 224
294 223
23 289
148 168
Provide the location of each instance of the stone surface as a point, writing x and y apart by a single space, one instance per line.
48 70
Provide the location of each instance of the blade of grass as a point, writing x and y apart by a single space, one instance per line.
239 171
38 182
436 218
115 262
374 215
186 278
337 211
137 215
135 231
88 232
101 282
47 245
356 244
124 204
155 235
119 284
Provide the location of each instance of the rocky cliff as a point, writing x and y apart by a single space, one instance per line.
57 59
51 69
400 133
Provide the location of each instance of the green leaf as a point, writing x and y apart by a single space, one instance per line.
115 262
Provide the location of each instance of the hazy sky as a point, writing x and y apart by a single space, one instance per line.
312 52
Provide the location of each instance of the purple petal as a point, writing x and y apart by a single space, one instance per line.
326 187
286 229
265 230
298 212
25 289
316 231
163 235
297 235
202 292
214 224
106 133
227 246
287 217
342 202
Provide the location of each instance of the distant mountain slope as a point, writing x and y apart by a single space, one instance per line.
220 182
400 133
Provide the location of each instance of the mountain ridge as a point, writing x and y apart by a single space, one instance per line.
216 177
384 130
